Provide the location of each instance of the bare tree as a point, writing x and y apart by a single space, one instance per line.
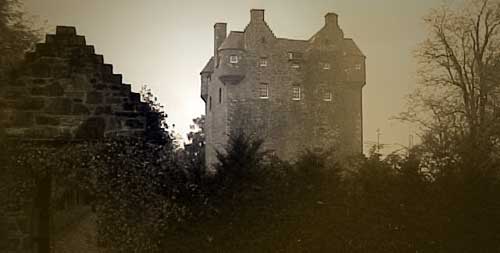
459 69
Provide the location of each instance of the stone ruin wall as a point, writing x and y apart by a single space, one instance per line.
64 91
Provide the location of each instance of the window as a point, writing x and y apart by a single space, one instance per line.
210 103
220 95
296 93
233 59
326 66
295 65
292 56
263 62
358 66
264 91
327 96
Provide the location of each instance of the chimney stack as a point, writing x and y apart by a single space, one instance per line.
220 33
256 15
331 19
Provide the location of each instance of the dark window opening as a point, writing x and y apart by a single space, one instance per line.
220 95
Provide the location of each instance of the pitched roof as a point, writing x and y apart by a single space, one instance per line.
351 48
294 45
209 67
233 41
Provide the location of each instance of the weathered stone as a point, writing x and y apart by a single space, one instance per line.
29 103
135 97
94 97
103 110
23 119
128 107
92 128
65 30
52 90
47 120
61 106
80 109
134 123
44 132
114 100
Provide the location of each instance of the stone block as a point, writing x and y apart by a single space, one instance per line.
80 109
114 100
128 114
52 90
65 30
134 123
62 106
135 97
103 110
23 119
99 59
94 98
29 103
47 120
92 128
107 69
99 86
42 132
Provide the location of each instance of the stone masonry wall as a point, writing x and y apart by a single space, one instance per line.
287 126
64 91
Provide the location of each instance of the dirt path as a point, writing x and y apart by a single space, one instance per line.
81 238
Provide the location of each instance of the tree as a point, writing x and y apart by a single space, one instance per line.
459 71
17 34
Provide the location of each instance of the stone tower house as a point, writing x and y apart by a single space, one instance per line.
294 94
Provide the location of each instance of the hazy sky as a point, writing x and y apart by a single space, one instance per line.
165 44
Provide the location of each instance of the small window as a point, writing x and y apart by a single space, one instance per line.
296 93
295 65
326 66
327 96
263 62
293 56
264 91
209 78
233 59
210 103
358 66
220 95
290 56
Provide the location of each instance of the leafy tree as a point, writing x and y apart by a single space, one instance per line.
17 34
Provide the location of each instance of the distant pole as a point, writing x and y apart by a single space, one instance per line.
378 140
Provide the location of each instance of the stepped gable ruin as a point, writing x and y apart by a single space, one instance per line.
64 91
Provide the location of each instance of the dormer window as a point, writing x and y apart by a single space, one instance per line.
263 62
233 59
296 93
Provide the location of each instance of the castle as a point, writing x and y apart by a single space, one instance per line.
294 94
